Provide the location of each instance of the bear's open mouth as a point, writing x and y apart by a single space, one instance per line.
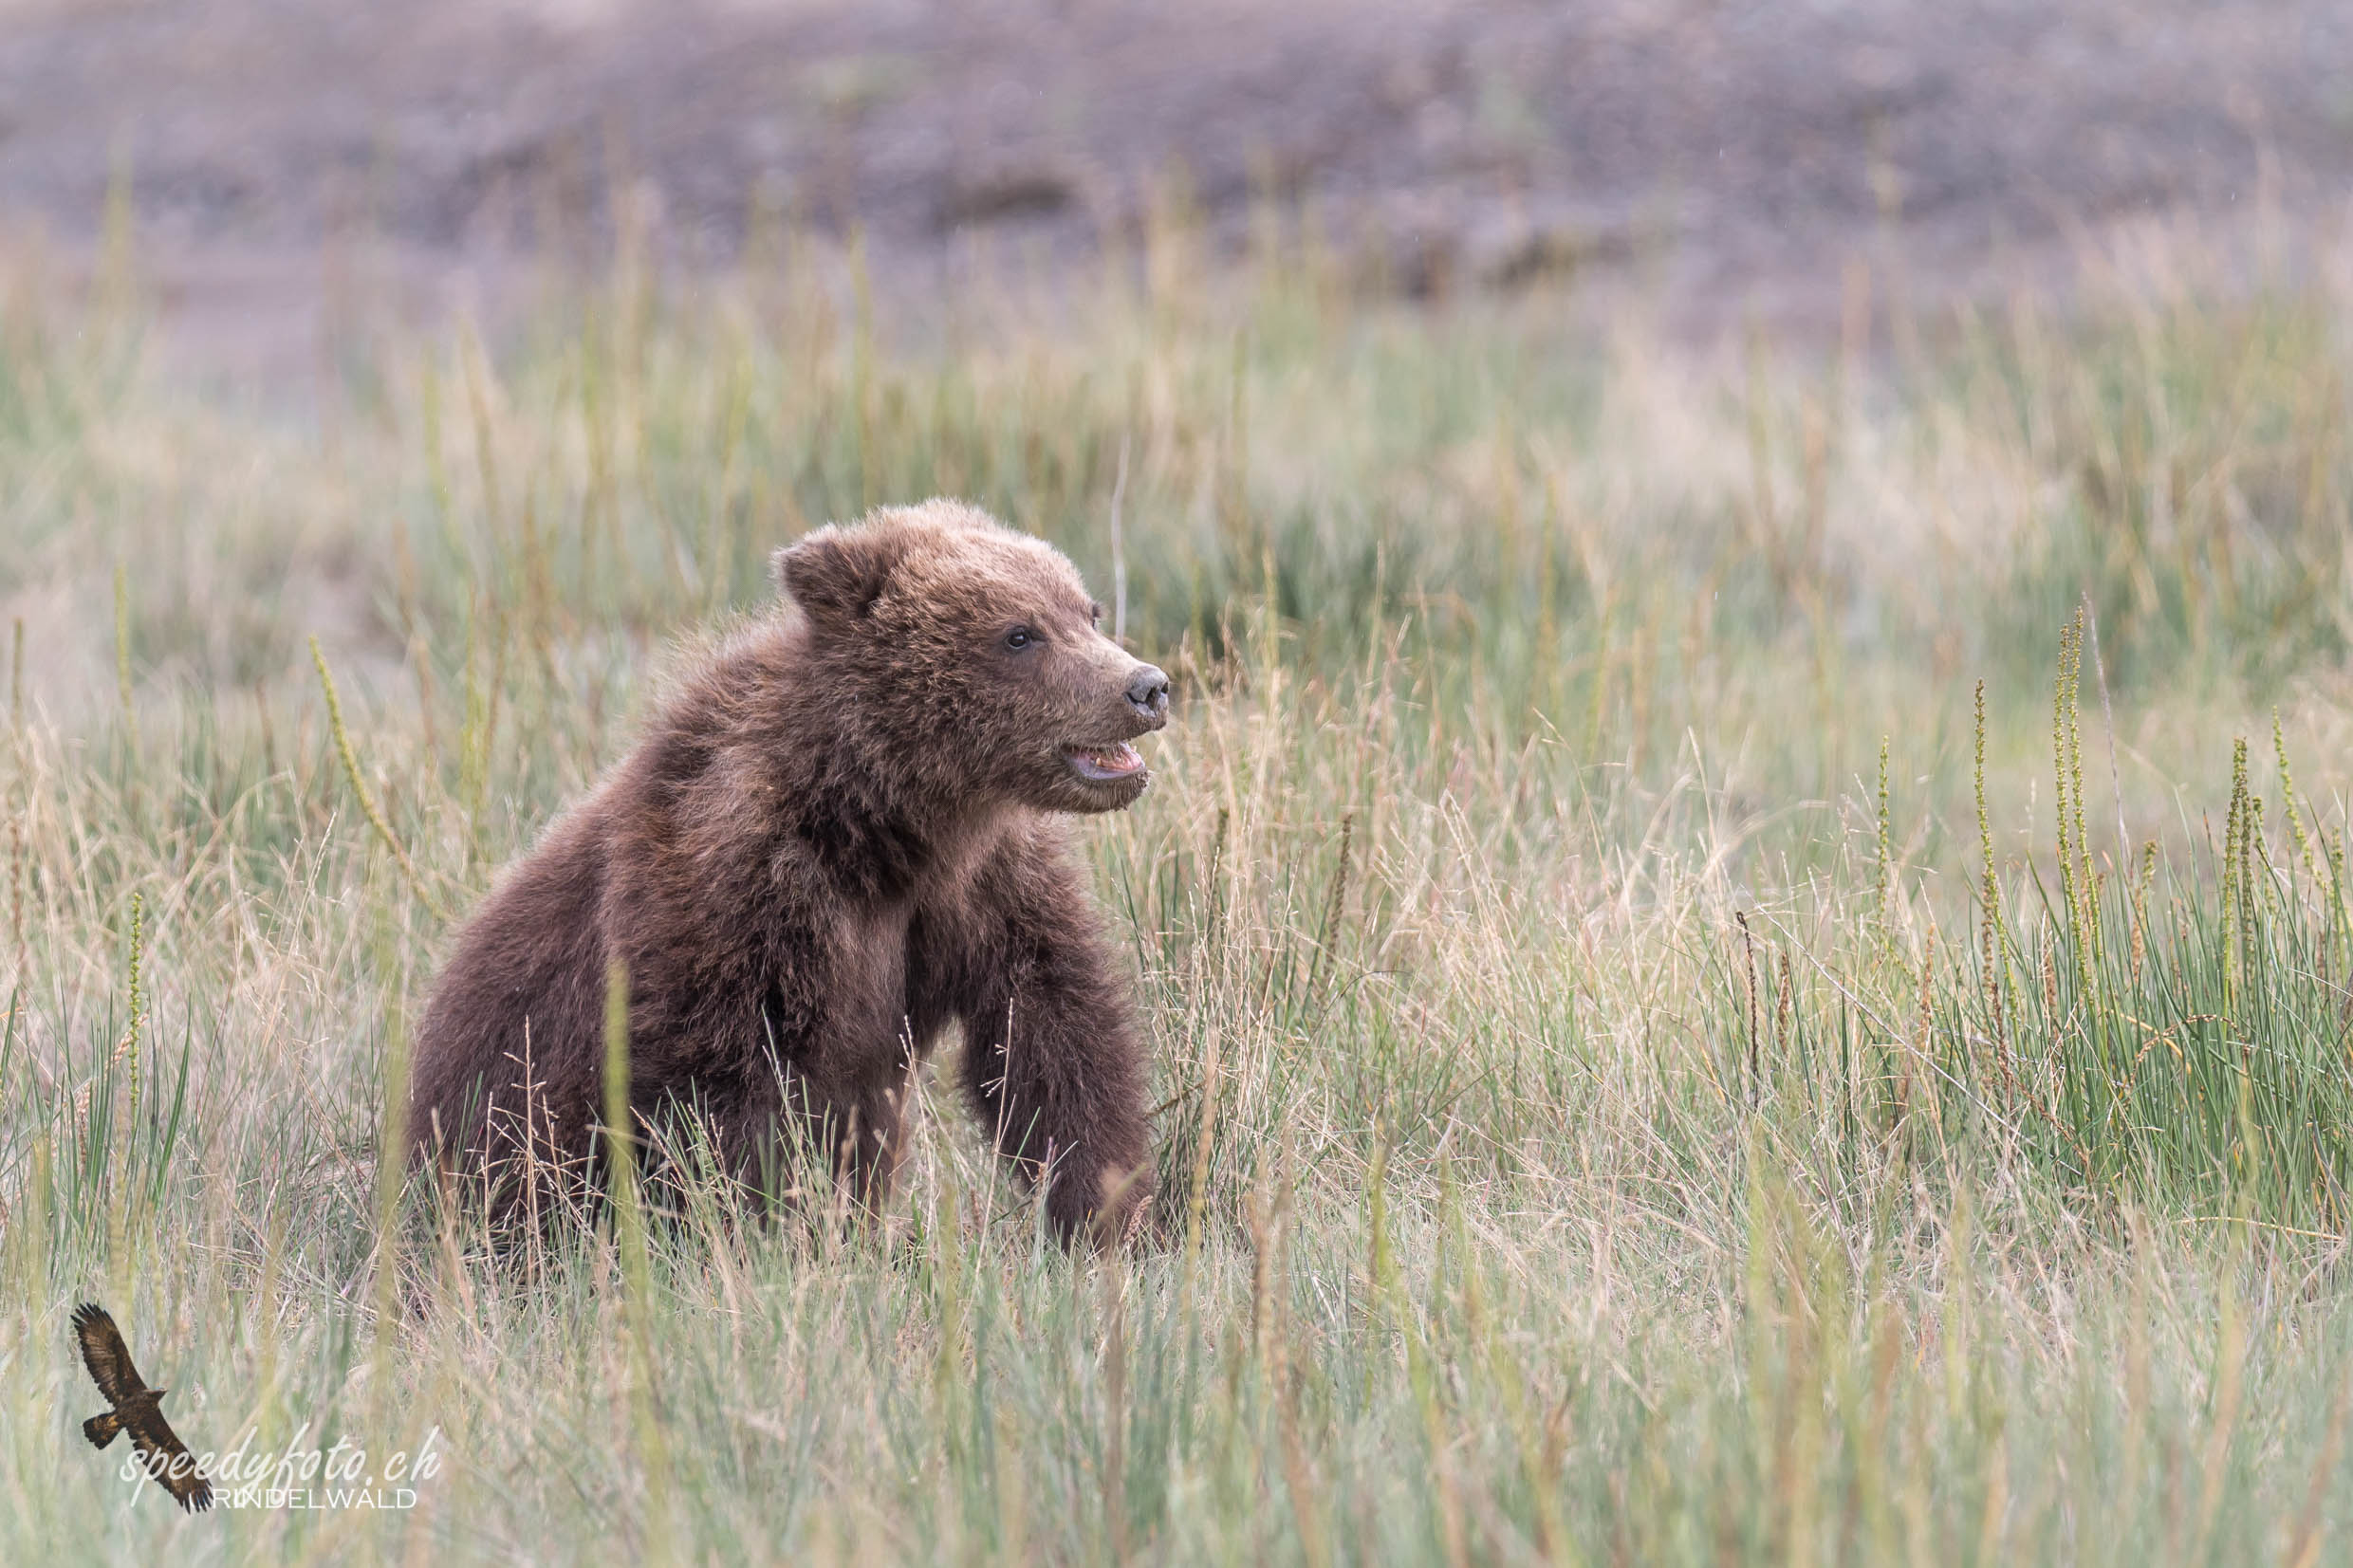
1104 763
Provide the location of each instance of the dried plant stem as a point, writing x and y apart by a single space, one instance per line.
138 998
360 788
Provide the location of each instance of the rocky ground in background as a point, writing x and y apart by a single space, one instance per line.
1732 150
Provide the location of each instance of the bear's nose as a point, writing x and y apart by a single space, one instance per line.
1147 693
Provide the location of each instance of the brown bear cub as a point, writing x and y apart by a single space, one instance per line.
844 834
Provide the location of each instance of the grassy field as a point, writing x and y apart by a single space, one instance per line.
1746 949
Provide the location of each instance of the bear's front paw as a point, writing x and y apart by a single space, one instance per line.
1106 1210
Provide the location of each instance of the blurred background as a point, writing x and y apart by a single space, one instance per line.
287 158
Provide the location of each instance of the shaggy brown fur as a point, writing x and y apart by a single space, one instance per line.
842 836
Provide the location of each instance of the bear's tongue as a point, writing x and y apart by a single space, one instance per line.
1106 762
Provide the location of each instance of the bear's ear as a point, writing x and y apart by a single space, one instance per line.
836 573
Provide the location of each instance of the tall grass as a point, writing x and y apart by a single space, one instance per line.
1721 988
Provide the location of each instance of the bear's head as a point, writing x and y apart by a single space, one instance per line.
967 659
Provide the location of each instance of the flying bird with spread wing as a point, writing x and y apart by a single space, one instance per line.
137 1409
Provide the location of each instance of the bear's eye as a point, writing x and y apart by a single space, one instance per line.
1094 612
1020 637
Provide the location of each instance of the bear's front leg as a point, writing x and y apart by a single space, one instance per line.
788 1141
1053 1061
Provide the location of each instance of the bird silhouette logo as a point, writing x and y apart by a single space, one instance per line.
137 1409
